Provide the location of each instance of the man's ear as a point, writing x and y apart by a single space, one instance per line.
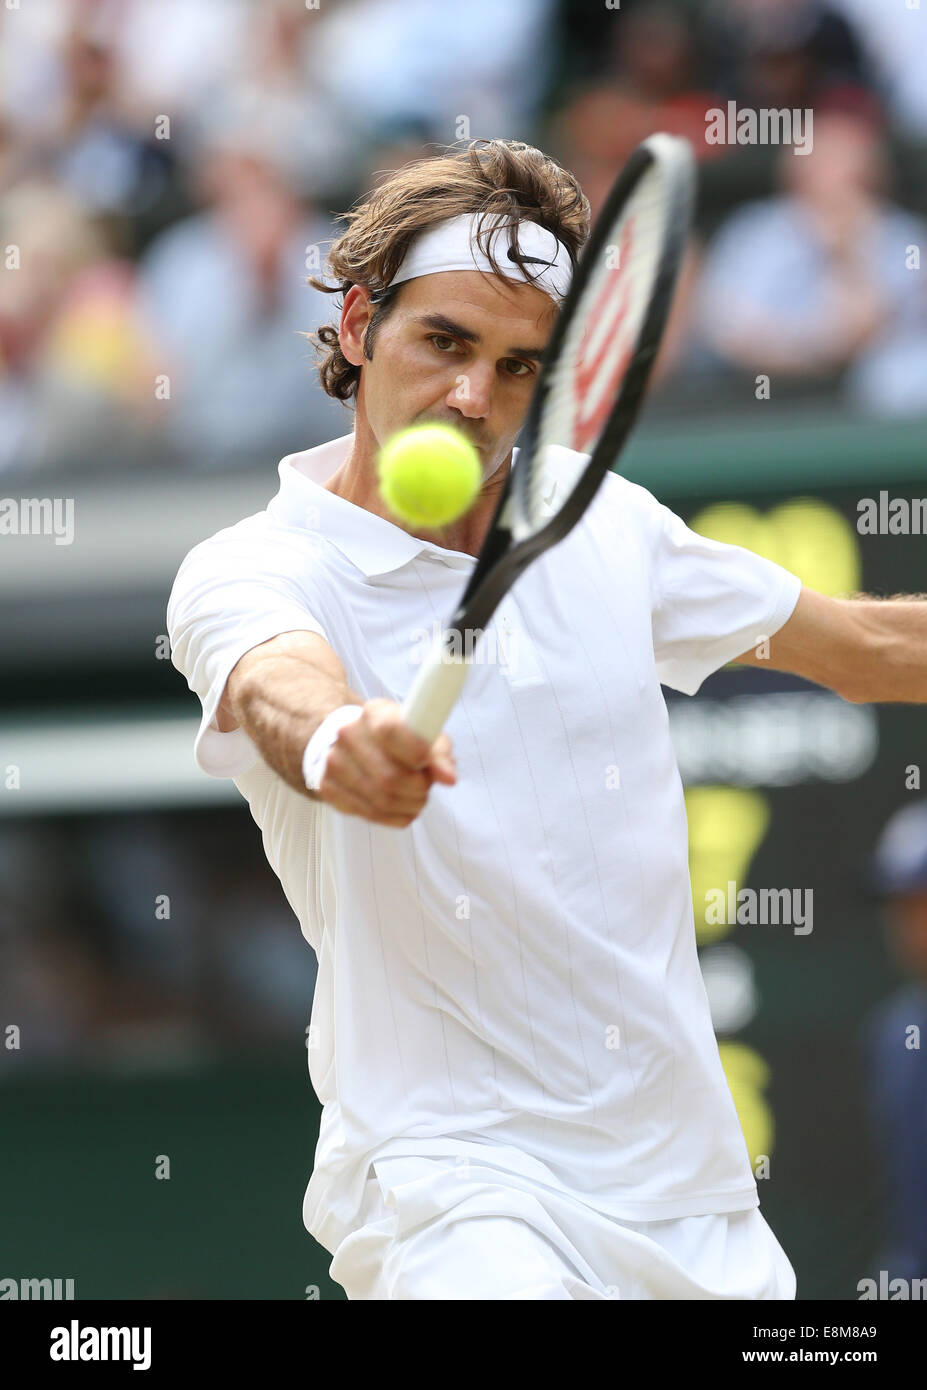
355 317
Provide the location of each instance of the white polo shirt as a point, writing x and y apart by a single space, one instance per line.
515 974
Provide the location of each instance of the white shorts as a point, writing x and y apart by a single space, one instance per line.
434 1228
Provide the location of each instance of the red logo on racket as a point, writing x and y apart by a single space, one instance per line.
607 314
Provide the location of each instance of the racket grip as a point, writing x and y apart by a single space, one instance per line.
433 694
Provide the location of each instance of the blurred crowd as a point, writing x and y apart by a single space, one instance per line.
155 939
170 170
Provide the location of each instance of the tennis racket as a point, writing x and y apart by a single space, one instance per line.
590 388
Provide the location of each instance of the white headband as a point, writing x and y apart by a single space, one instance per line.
452 245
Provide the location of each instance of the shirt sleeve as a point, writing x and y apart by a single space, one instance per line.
225 600
711 601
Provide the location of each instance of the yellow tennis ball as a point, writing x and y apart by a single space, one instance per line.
429 475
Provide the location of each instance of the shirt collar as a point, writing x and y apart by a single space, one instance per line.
370 542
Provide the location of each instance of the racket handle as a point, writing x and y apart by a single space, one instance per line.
433 693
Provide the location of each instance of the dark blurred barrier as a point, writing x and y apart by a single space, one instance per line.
82 1198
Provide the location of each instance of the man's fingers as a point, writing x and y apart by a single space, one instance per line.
360 765
442 747
378 768
442 763
443 768
358 803
369 774
350 804
380 733
383 718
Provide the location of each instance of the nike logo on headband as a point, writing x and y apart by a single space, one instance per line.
529 260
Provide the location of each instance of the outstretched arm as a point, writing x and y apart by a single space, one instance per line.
869 650
280 692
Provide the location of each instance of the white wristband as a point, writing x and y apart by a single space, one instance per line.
318 747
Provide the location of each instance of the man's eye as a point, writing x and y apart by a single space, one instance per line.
526 370
437 338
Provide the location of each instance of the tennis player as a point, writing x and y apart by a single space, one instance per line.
522 1093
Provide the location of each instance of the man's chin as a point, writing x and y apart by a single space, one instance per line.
494 468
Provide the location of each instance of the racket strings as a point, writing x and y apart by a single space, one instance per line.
598 347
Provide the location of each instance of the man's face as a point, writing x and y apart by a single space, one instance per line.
459 348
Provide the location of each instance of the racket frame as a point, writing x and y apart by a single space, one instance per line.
502 559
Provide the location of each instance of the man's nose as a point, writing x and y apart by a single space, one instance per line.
472 391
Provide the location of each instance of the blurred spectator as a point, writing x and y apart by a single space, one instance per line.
186 57
895 1041
166 54
176 56
75 375
157 938
789 54
224 295
276 76
401 142
649 81
775 55
223 951
379 61
77 134
896 37
822 281
46 983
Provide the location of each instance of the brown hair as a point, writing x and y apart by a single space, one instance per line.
487 178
